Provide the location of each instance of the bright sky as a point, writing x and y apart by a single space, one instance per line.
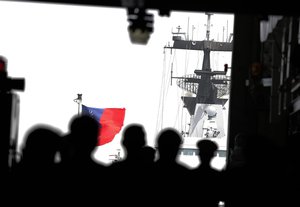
63 50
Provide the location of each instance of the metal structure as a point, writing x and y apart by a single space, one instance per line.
209 86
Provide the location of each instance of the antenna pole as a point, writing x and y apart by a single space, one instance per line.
227 30
171 73
208 25
188 27
78 100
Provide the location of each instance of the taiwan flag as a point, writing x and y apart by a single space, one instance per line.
111 120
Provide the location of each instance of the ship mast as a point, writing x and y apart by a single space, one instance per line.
204 83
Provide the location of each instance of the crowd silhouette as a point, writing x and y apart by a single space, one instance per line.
60 168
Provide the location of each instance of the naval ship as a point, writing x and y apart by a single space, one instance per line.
205 96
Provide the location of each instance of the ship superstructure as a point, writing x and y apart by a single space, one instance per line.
206 91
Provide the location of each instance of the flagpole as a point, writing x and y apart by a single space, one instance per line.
78 100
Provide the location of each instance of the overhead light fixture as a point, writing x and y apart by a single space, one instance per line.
140 25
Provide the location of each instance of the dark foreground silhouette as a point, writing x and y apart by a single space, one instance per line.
59 169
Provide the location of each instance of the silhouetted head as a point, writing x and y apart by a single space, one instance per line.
134 137
169 141
240 140
84 131
207 149
41 143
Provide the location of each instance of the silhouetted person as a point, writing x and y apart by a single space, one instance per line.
81 173
79 144
259 174
133 139
36 173
207 180
39 150
127 174
237 157
172 177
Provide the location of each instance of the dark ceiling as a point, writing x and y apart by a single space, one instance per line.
287 7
